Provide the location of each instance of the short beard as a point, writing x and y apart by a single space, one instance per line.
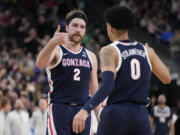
71 38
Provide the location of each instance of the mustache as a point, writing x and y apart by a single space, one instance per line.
76 34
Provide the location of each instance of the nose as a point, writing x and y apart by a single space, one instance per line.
78 29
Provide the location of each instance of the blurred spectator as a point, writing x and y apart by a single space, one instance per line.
152 103
39 118
175 44
32 41
166 35
6 106
152 28
161 118
17 120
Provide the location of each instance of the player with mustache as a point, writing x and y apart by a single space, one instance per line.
72 74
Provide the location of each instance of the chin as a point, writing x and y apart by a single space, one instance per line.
77 40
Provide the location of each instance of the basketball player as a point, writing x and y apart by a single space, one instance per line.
126 69
72 73
161 118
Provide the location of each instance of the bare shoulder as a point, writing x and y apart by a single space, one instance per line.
91 53
107 51
108 57
149 49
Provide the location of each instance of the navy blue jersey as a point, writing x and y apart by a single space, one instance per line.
161 120
133 73
69 78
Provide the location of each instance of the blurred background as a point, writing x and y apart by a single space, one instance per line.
27 25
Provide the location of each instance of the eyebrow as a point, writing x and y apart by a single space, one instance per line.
78 24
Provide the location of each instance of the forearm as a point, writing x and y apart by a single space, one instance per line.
44 56
104 90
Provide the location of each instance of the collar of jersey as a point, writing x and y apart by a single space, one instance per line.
73 51
127 42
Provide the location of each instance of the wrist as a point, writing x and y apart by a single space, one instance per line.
52 43
84 111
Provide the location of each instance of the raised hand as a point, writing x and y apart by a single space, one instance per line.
60 38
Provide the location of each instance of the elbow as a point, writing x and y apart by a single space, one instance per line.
167 80
39 65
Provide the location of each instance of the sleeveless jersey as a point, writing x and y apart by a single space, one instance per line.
69 78
133 73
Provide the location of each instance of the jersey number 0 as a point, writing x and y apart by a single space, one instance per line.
135 69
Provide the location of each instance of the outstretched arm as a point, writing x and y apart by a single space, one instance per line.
108 67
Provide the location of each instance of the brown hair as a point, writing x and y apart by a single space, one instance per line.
4 101
76 13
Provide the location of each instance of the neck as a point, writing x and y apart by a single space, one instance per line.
73 47
120 36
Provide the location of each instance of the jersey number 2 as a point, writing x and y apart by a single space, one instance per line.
135 69
76 74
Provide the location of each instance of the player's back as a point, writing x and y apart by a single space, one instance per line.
133 73
69 78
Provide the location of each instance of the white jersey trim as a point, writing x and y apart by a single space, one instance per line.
128 44
61 55
147 57
72 51
119 54
50 84
51 126
88 53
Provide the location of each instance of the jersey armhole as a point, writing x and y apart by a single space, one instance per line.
148 57
119 56
89 57
59 60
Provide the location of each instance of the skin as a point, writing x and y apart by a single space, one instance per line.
50 54
43 105
109 62
7 108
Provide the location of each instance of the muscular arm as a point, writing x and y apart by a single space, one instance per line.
158 67
47 55
108 58
93 83
108 68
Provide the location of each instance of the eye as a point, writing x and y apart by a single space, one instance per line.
75 25
82 26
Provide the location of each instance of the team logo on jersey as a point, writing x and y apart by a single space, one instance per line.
84 54
65 54
75 62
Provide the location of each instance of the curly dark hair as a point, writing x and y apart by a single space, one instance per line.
120 18
76 13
